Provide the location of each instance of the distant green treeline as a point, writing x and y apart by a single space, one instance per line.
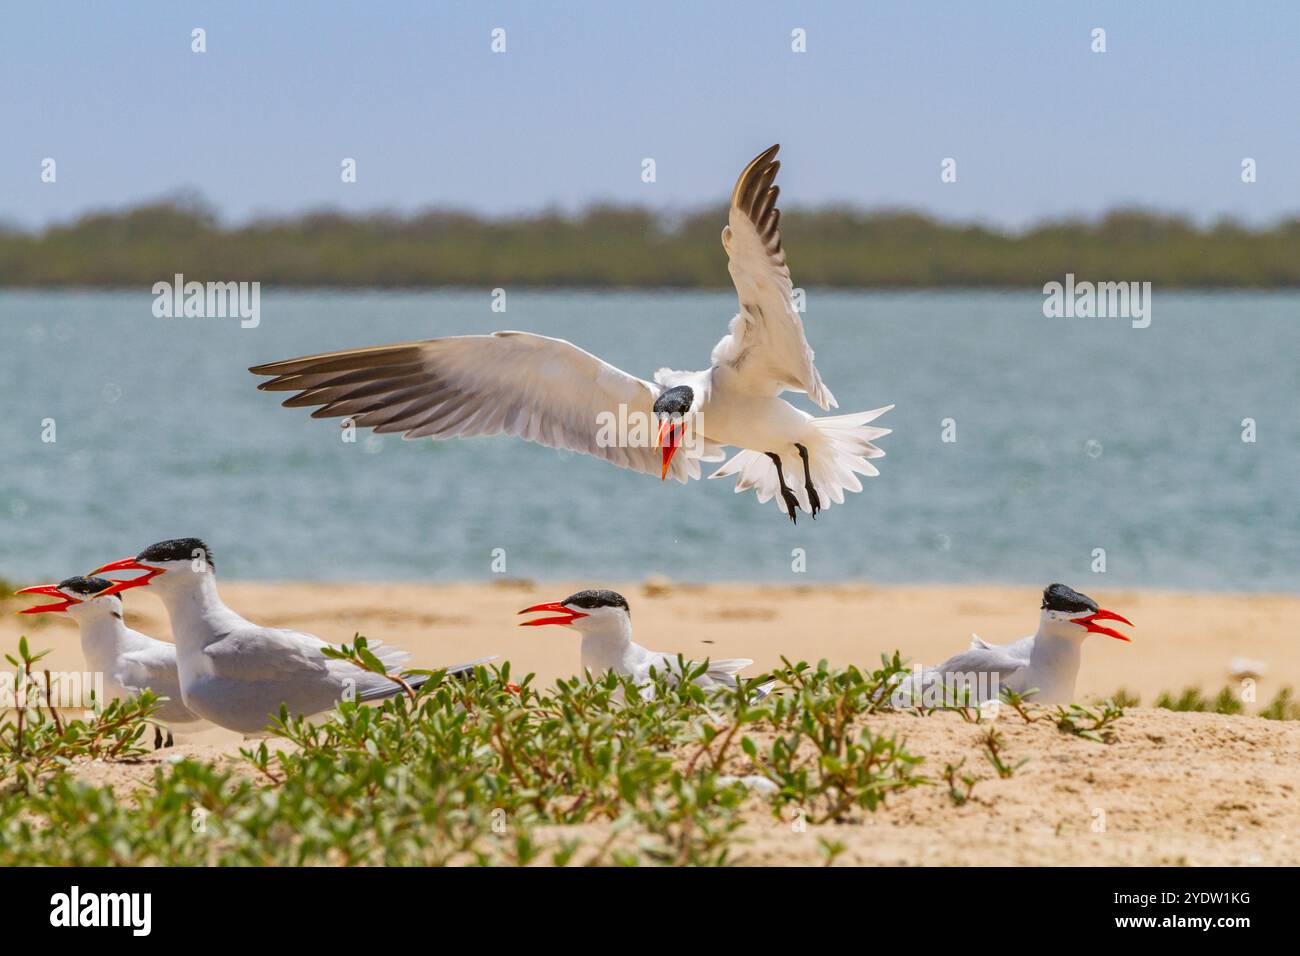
612 246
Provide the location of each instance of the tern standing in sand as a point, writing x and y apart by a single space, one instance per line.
236 673
1046 662
130 662
604 620
552 392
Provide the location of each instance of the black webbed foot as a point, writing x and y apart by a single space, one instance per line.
157 737
814 500
171 741
791 502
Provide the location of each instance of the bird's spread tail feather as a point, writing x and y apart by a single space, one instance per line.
839 449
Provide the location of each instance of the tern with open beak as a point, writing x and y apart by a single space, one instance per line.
550 391
1046 663
129 661
236 673
604 620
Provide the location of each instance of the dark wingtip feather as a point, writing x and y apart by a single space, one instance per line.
741 196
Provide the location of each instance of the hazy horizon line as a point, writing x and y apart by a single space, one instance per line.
668 216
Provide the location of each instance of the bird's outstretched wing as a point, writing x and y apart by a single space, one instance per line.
533 387
765 343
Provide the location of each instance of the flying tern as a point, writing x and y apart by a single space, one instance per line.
604 620
549 391
236 673
1046 662
129 661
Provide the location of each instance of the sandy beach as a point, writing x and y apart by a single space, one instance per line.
1175 788
1179 639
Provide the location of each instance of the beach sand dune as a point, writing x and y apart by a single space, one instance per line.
1175 788
1179 639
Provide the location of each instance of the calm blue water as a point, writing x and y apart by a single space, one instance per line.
1071 435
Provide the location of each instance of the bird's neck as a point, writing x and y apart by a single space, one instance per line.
1054 663
606 647
198 615
102 638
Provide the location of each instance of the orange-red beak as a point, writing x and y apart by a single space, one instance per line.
52 590
567 615
670 439
127 564
1101 614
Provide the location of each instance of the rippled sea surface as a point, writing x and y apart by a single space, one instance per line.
1071 435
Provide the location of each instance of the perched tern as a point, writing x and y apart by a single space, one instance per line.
236 673
1046 662
550 391
129 661
604 620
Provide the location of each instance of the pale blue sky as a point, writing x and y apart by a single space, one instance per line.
1039 125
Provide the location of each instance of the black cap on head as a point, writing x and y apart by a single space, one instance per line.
674 401
175 549
1057 597
86 586
597 597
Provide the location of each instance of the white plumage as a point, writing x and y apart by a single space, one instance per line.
128 662
549 391
604 620
236 673
1045 663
